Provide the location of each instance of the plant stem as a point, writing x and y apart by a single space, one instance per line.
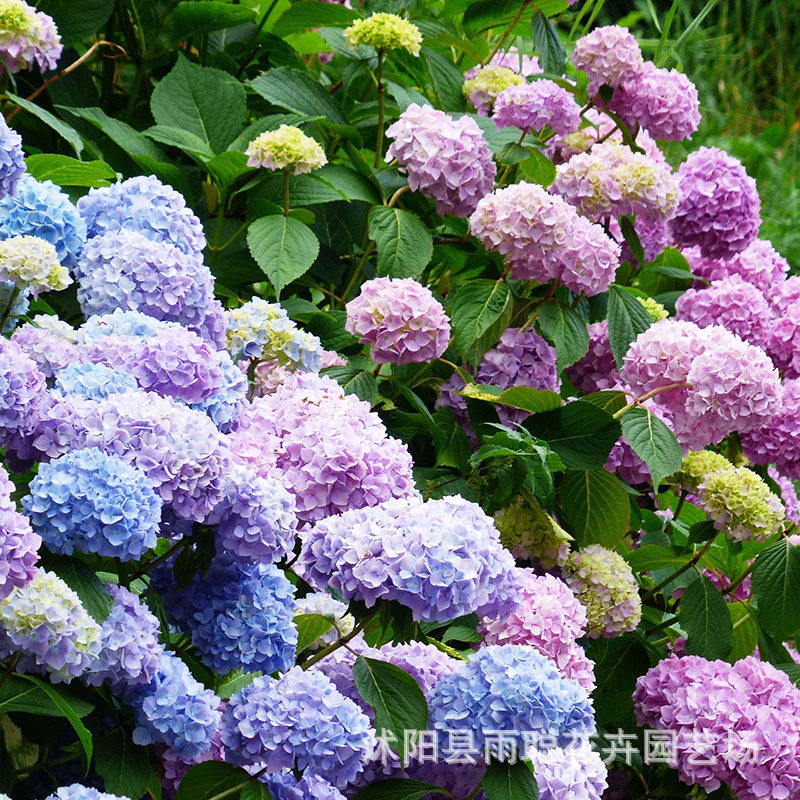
639 400
740 580
688 565
523 5
286 193
356 274
7 313
341 642
9 670
397 195
161 559
381 109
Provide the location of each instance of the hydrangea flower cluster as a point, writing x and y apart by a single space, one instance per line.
515 689
511 59
385 32
94 503
45 621
577 772
597 370
533 106
322 604
93 381
22 387
446 159
551 619
287 148
783 342
12 159
27 37
530 533
303 722
76 791
697 466
604 583
442 558
487 83
19 545
49 342
543 238
778 442
609 56
759 264
400 320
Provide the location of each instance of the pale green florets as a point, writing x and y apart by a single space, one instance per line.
696 466
742 504
483 89
17 17
32 263
604 583
385 32
531 533
286 148
654 308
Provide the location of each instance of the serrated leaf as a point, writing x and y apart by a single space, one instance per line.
210 778
618 662
185 140
76 20
310 627
652 556
356 380
123 766
66 171
745 632
283 247
627 318
703 614
506 781
312 14
595 507
92 593
398 789
776 584
447 80
538 168
653 442
564 327
480 312
547 44
193 17
632 238
524 398
670 270
404 244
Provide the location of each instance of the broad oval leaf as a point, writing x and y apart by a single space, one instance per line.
547 44
595 506
776 582
627 318
524 398
506 781
309 628
537 167
480 311
703 614
564 327
653 442
398 789
193 17
404 244
211 778
66 171
123 766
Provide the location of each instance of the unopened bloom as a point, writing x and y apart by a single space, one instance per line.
385 32
485 86
530 533
400 320
697 466
534 106
608 55
654 308
286 148
32 263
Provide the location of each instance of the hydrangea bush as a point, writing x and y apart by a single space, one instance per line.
396 401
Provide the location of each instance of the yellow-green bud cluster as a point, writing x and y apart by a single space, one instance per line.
654 308
482 90
385 32
529 532
286 148
697 466
32 263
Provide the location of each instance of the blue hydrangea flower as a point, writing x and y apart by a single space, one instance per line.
79 792
510 688
130 652
12 159
94 503
238 615
227 402
134 324
284 786
174 709
93 381
19 306
298 721
40 208
146 205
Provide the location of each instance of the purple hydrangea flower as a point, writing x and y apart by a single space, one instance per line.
514 689
285 786
784 294
330 451
400 320
783 342
446 159
778 442
543 238
94 503
426 663
597 370
790 499
512 59
49 342
93 381
720 210
298 721
534 106
570 773
226 404
175 766
442 558
608 55
12 159
146 205
40 208
759 263
77 791
19 546
22 387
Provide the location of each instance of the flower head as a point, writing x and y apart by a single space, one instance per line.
77 791
286 148
697 466
93 381
12 159
597 370
49 342
385 32
608 55
570 773
534 106
27 36
486 84
19 547
22 387
783 342
530 533
759 264
778 442
32 263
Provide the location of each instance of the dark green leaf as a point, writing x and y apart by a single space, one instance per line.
66 171
703 614
18 694
652 556
309 628
564 327
595 507
256 791
59 126
792 670
93 594
776 582
512 153
187 141
312 14
537 167
745 632
193 17
284 248
653 442
627 318
356 380
480 312
398 789
447 79
398 701
702 531
547 44
404 244
632 238
669 271
609 400
123 766
76 19
522 397
206 780
618 663
506 781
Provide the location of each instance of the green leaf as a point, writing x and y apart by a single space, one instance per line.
595 507
701 531
653 556
609 400
547 44
506 781
792 670
206 780
447 80
123 766
566 330
703 614
256 791
669 271
398 789
356 380
193 17
204 101
353 185
480 312
776 583
405 245
618 662
284 248
18 694
185 140
92 593
653 442
580 432
537 167
398 701
525 398
632 238
309 628
312 14
627 318
59 126
66 171
76 19
745 632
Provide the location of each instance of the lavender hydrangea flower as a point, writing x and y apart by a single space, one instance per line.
551 619
400 320
22 387
720 210
788 490
285 786
783 294
783 342
446 159
778 442
49 342
40 208
605 585
45 621
28 37
608 55
77 791
534 106
426 663
146 205
324 605
175 766
238 615
19 548
300 720
543 238
486 85
570 773
129 648
93 381
338 666
12 159
514 689
597 370
442 558
94 503
330 451
227 402
175 709
733 303
759 264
